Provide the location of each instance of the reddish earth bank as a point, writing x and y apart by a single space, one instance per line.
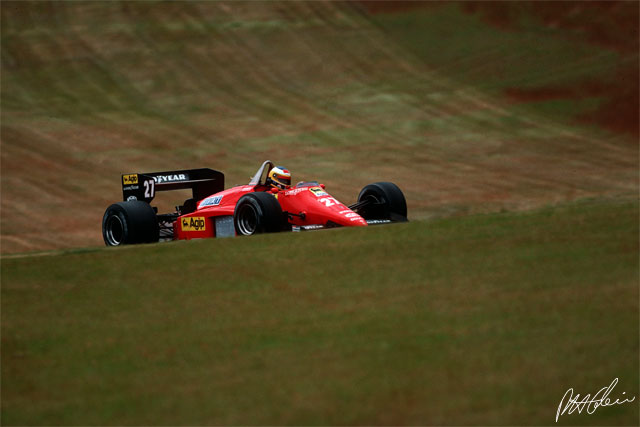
610 24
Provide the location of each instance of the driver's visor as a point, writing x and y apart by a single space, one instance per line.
286 180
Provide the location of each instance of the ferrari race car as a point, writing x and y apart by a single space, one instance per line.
256 207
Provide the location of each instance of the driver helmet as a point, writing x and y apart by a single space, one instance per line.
279 177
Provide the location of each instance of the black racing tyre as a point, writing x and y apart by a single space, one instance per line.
258 213
386 202
131 222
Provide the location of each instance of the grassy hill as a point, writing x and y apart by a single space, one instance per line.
477 320
512 129
334 91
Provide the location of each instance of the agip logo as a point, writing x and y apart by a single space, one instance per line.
130 179
194 223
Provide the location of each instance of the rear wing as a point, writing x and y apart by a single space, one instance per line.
143 186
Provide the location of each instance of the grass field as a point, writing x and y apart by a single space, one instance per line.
91 90
564 60
485 319
512 129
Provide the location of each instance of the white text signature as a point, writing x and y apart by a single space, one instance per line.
571 403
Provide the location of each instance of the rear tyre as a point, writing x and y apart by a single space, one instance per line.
128 223
258 213
385 202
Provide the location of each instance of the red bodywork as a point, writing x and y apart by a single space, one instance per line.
307 204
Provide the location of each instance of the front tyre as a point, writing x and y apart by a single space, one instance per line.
131 222
258 213
382 201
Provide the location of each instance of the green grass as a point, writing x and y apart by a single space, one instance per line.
486 319
523 54
329 91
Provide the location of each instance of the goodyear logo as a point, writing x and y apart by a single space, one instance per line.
194 223
130 179
170 178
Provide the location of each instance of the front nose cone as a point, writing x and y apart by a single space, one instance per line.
349 219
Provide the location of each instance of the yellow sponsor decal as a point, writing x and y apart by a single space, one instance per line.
193 223
130 179
318 191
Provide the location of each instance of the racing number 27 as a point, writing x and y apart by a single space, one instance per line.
328 201
149 189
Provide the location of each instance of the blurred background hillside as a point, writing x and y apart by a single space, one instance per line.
469 107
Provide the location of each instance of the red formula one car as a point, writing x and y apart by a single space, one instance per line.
266 204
